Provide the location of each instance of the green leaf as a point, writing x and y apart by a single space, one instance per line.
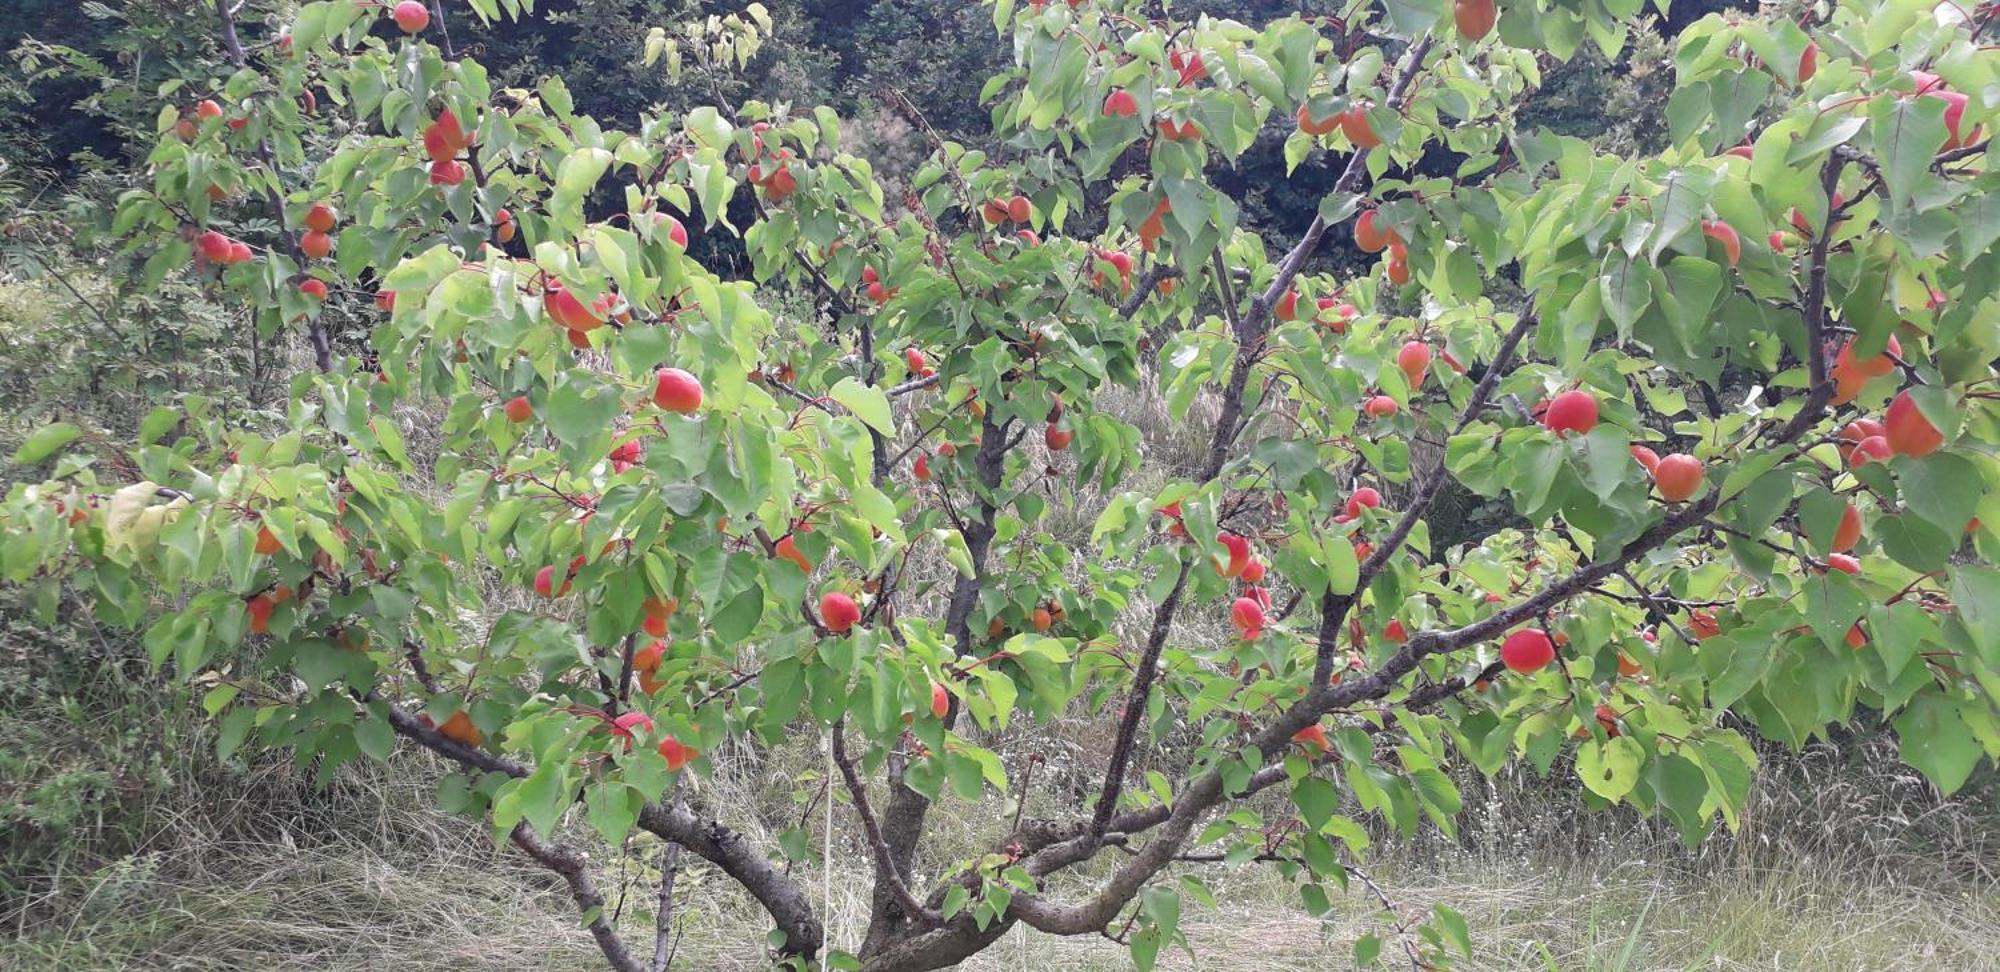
375 738
1913 542
1683 197
867 402
1907 133
1160 903
1413 17
1832 605
796 844
1976 591
1454 927
1978 225
956 552
420 273
1828 130
1937 742
1610 768
739 617
1742 658
1680 788
1627 291
1820 513
878 509
955 899
44 442
218 698
580 170
1316 799
545 795
1943 488
1000 690
1609 455
582 407
157 422
709 128
1343 571
1145 948
1367 949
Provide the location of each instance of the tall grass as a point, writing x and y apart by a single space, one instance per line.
1846 861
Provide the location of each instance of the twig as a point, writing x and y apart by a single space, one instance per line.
1334 607
316 326
885 864
1402 924
1148 283
1653 602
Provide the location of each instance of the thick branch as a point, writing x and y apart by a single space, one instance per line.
663 920
1136 700
1813 303
784 900
903 818
571 866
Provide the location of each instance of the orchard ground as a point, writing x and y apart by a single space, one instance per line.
1865 873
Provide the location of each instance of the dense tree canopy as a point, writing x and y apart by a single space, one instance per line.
577 508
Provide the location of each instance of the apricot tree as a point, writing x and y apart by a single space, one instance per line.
1744 414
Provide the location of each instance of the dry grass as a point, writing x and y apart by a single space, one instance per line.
347 907
261 873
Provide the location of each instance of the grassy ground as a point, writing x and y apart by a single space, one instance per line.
124 844
250 870
350 907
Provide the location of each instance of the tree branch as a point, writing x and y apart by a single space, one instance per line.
1249 331
1136 701
1813 302
664 938
322 343
1149 282
783 899
1334 607
903 818
1074 919
885 865
571 866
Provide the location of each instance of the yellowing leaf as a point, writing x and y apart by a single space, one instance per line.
134 517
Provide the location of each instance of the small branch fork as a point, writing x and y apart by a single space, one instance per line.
322 342
885 866
1402 924
784 899
1250 331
